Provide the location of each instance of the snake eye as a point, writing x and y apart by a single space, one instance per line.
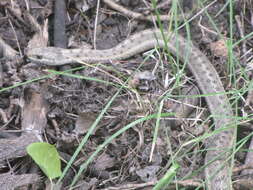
38 56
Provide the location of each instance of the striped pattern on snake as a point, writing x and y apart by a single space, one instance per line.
217 171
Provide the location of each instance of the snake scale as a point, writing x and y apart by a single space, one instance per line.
217 170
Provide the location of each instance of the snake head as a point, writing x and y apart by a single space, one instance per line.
52 56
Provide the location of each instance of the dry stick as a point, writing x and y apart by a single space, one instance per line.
17 18
60 38
7 51
158 6
241 31
133 14
183 183
199 13
95 25
251 19
203 28
16 37
243 167
249 160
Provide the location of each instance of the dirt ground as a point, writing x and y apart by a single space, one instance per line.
63 107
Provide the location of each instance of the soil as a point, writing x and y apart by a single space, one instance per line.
62 108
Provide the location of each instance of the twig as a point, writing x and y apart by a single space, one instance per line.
95 27
14 32
241 31
199 13
133 14
185 183
60 39
7 51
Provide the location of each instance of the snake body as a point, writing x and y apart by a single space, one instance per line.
217 171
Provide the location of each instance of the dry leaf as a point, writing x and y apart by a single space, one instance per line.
84 122
219 48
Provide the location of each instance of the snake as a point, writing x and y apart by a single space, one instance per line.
218 168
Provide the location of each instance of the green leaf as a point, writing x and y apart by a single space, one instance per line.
47 158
